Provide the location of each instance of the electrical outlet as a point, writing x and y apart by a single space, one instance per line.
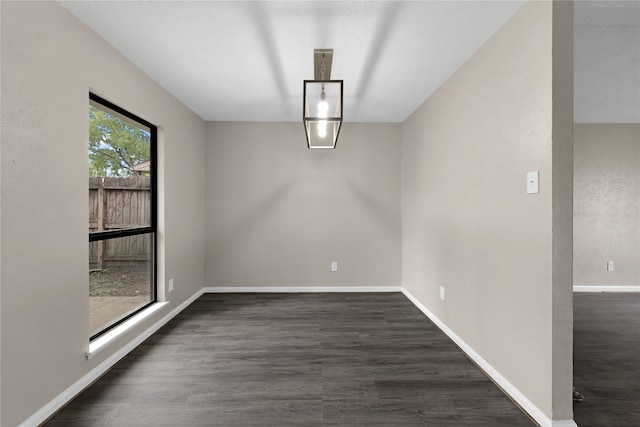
170 285
334 265
442 293
610 266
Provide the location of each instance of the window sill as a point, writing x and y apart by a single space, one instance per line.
100 343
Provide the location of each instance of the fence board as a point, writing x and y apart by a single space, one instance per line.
119 203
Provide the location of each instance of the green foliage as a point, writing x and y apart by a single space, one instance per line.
115 146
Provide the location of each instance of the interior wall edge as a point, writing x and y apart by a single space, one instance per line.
562 158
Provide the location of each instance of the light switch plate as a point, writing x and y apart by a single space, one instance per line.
334 265
533 186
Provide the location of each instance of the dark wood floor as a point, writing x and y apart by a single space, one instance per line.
295 359
606 346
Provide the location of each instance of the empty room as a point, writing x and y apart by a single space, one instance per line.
319 213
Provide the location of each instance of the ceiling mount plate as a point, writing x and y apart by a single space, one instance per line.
317 63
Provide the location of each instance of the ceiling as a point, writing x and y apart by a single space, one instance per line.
245 61
607 62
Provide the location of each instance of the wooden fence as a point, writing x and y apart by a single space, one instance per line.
117 203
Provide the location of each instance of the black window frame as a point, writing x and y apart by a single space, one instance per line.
151 229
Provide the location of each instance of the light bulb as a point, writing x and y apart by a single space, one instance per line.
322 128
323 105
323 108
322 124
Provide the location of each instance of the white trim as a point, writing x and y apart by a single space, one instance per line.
613 288
60 400
299 289
96 346
508 388
63 398
564 423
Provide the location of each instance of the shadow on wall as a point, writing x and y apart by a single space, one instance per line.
253 218
385 215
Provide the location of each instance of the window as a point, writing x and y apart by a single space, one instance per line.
122 215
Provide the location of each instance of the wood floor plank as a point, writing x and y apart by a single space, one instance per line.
335 359
606 354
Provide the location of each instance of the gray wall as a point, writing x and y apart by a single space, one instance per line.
279 213
467 222
50 62
607 204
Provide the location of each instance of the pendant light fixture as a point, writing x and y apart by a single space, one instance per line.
322 103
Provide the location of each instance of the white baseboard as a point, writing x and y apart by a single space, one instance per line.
63 398
59 401
299 289
508 388
612 288
564 423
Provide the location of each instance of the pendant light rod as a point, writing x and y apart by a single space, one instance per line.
322 59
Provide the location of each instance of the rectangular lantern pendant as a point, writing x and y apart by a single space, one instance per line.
322 112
